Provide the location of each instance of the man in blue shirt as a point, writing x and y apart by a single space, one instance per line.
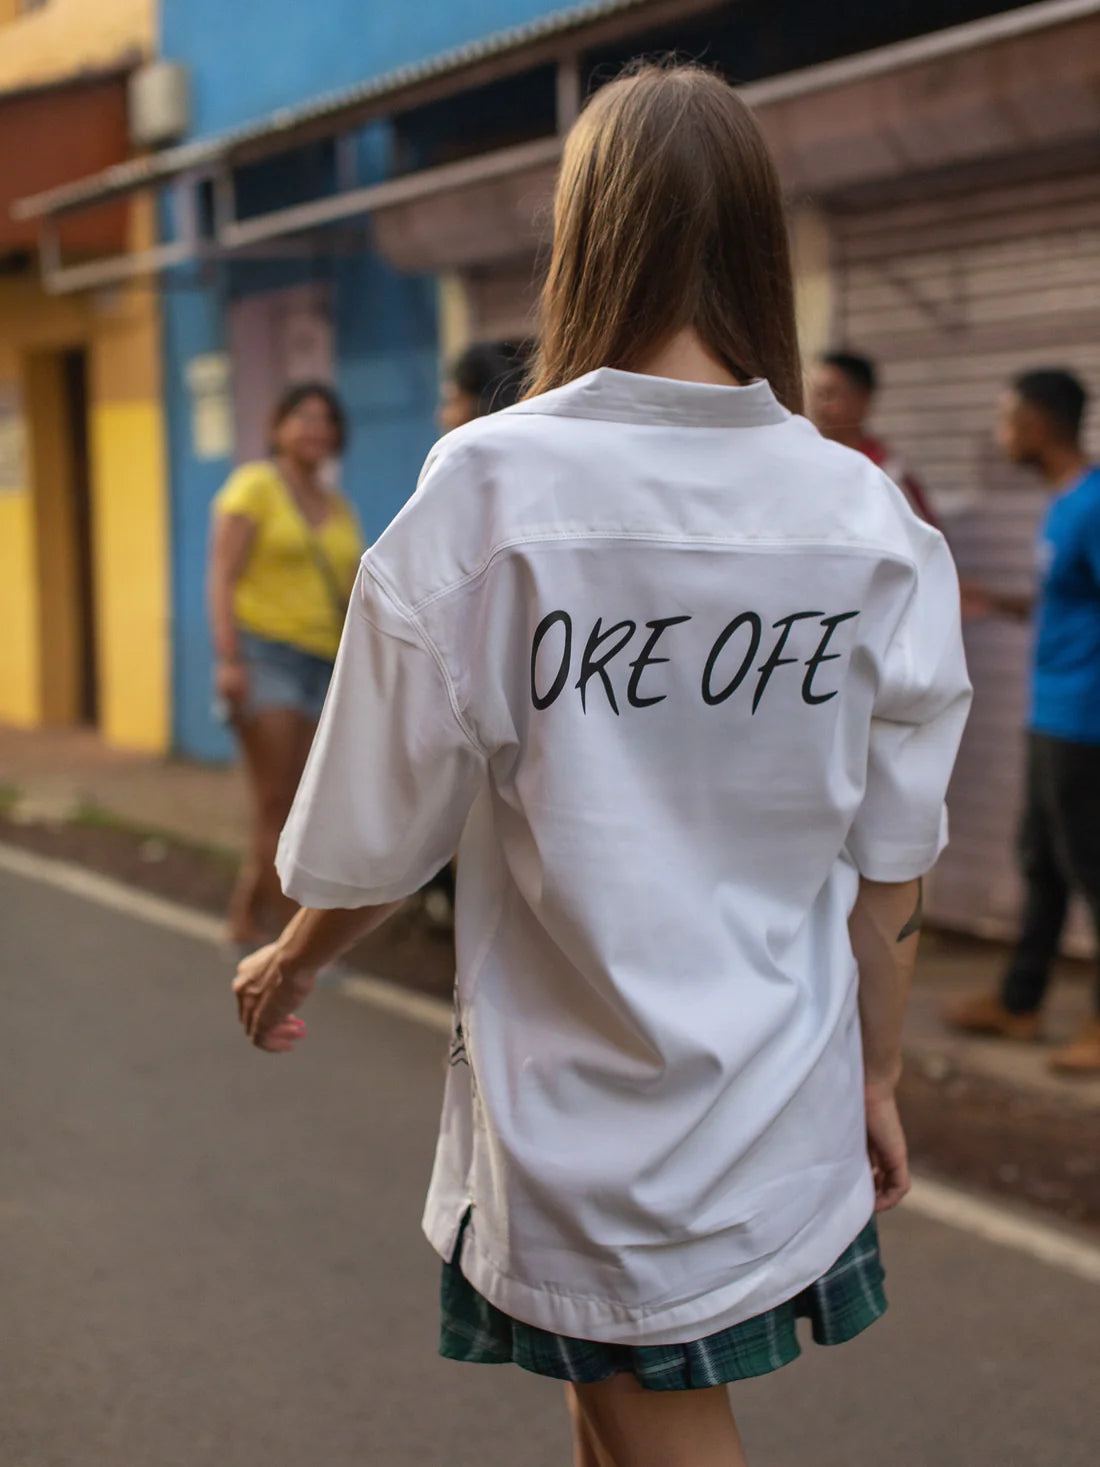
1040 426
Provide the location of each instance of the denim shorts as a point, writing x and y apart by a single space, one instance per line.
283 676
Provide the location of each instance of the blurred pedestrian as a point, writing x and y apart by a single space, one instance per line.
1041 419
283 555
483 378
586 648
842 394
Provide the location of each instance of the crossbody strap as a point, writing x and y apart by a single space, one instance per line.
337 599
328 574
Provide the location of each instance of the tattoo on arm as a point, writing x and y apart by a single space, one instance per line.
914 924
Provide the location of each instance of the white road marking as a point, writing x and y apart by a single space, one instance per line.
934 1200
188 922
107 892
381 994
995 1224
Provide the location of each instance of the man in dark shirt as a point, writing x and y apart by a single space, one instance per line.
1040 426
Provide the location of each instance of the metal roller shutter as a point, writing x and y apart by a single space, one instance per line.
953 295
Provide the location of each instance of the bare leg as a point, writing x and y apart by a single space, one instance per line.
242 920
586 1449
275 743
629 1426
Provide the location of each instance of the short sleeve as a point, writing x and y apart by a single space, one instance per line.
393 771
919 715
246 492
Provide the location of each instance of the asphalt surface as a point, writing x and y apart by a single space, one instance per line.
212 1258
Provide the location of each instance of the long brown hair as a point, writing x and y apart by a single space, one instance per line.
668 213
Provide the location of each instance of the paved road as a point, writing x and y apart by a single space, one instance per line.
210 1258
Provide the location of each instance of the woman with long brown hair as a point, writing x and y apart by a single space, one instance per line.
687 682
284 549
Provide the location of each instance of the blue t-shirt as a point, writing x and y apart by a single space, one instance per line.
1065 699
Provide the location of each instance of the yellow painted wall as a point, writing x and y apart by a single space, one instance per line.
67 36
19 694
813 280
32 317
130 489
120 332
52 463
454 315
29 322
132 591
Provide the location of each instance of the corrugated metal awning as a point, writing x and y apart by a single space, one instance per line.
548 39
934 101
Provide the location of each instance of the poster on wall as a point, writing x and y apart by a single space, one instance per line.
13 446
208 382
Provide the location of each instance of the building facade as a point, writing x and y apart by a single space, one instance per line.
84 595
321 303
361 191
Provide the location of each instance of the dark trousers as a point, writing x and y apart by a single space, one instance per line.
1059 852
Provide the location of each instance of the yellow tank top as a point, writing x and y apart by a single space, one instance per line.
283 593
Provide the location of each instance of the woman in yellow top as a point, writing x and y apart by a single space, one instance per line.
283 557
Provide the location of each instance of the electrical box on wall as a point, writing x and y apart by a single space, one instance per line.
160 104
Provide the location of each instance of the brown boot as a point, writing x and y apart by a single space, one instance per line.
1082 1057
984 1013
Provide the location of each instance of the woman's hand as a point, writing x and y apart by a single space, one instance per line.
976 601
886 1147
268 989
231 681
272 983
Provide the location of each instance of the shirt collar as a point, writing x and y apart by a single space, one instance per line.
631 397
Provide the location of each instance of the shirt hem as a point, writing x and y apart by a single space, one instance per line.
900 863
310 890
1052 729
682 1321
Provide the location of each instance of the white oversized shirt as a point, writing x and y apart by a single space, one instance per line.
675 671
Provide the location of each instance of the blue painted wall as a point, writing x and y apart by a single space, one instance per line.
246 60
193 325
387 373
386 349
387 358
249 58
386 331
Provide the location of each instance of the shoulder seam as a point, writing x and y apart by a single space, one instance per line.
408 616
561 538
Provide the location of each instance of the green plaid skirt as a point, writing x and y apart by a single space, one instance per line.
842 1303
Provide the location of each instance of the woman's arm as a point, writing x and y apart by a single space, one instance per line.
272 983
980 601
231 541
1017 607
885 928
